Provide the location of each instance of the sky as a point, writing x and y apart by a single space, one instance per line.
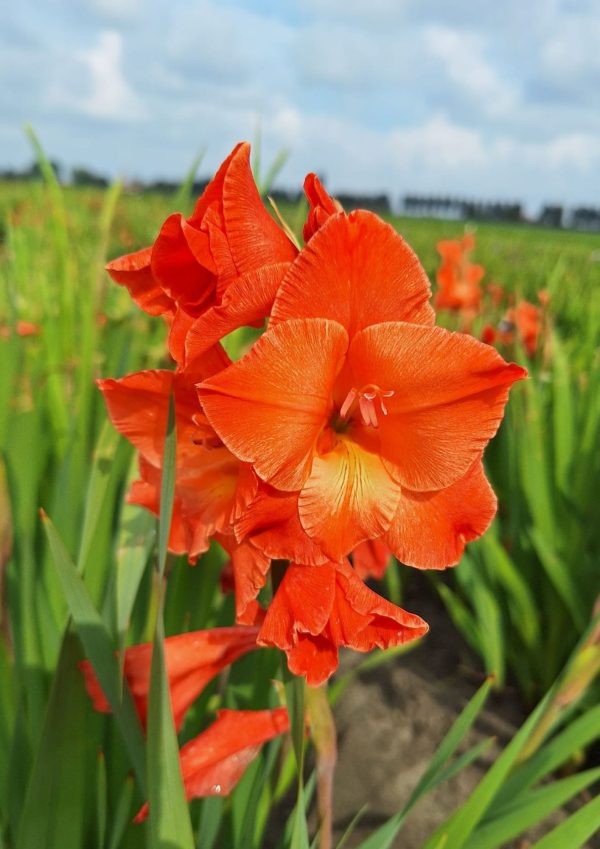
495 100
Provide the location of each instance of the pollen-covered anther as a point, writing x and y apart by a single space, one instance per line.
369 398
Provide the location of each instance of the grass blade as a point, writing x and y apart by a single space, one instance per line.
100 650
384 836
170 824
528 810
53 811
574 831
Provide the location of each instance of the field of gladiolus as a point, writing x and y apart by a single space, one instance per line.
213 535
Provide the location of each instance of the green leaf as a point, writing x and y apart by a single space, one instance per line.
300 828
561 578
528 810
100 650
97 488
122 814
211 818
170 826
461 762
101 802
53 811
294 697
462 824
576 736
574 831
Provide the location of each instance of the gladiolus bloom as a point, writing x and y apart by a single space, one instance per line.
370 559
216 270
321 206
209 479
352 399
213 763
316 609
192 661
527 318
458 279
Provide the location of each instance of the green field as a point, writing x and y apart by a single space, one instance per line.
523 597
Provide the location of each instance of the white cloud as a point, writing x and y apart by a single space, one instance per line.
379 95
367 11
462 56
109 95
116 11
571 50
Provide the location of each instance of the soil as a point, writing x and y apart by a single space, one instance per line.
391 720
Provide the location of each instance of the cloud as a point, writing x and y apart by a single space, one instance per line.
103 92
461 54
116 11
380 95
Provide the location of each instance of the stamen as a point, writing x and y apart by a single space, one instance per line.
368 397
350 399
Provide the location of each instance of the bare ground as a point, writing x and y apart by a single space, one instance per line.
391 720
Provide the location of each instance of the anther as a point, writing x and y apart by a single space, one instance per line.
368 398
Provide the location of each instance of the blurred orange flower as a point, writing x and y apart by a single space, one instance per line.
192 661
209 479
214 761
458 278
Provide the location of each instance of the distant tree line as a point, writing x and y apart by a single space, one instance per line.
431 206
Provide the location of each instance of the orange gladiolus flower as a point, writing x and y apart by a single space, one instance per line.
458 279
213 763
356 402
216 270
192 661
22 328
210 482
527 318
316 609
370 559
321 206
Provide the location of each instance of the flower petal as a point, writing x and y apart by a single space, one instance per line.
449 396
134 272
250 568
357 271
302 604
348 498
364 620
430 529
370 559
271 522
189 284
254 238
214 761
270 407
205 497
321 206
246 301
316 609
192 661
138 406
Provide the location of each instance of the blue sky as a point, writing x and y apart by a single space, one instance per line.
495 100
